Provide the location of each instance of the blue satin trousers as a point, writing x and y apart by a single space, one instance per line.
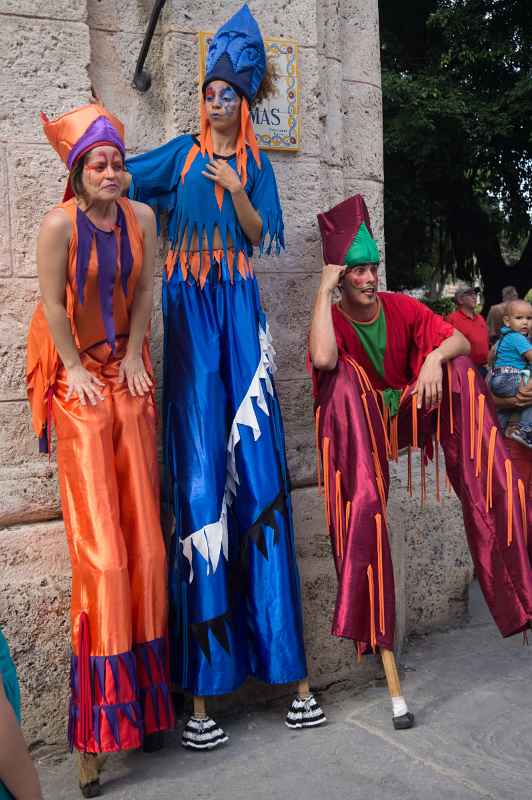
234 585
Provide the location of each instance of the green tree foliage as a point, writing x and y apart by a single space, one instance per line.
457 96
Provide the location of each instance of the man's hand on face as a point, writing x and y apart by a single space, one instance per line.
330 277
429 385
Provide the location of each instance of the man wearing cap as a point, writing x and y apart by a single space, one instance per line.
472 325
388 374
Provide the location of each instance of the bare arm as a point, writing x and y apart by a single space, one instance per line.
430 381
17 770
322 345
132 367
52 258
249 219
220 172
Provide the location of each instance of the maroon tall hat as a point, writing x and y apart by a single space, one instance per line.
340 225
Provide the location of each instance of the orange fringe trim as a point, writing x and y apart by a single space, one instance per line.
409 485
318 454
522 500
471 382
371 585
367 387
199 263
378 522
326 445
375 453
491 458
510 500
347 516
339 516
481 405
192 153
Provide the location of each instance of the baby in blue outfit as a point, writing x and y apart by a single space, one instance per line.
513 358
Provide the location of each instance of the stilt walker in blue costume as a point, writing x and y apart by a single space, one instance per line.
235 595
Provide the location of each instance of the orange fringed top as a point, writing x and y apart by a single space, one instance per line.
85 318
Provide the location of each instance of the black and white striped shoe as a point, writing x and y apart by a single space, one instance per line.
305 713
202 734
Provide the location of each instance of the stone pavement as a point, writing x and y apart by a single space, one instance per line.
470 691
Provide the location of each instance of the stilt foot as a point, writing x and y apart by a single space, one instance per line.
404 722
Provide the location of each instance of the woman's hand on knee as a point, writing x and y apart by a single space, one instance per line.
84 385
133 371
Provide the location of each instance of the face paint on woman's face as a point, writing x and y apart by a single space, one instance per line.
221 99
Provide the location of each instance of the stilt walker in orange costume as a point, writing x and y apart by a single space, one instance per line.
89 369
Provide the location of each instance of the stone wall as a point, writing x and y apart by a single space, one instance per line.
52 53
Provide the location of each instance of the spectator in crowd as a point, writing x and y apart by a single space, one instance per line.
496 312
18 776
512 365
472 325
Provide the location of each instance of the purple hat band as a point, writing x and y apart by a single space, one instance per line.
100 132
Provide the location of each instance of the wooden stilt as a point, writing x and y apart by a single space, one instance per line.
200 709
405 720
390 670
90 766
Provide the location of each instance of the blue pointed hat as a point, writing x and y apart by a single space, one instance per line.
237 55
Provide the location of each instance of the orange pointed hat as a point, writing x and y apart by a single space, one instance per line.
78 131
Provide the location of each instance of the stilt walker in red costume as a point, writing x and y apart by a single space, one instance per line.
89 370
390 374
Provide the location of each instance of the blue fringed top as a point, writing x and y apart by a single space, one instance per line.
191 203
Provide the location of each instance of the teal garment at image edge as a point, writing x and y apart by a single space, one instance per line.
8 676
511 349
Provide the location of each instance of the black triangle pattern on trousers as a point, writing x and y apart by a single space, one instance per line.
238 577
256 532
216 625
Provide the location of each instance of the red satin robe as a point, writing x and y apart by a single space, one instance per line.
356 436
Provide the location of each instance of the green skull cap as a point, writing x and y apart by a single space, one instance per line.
362 249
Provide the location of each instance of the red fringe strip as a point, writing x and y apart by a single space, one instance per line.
510 500
85 687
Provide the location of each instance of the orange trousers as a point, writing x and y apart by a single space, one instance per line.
109 481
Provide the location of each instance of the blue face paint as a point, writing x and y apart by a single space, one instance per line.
226 98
